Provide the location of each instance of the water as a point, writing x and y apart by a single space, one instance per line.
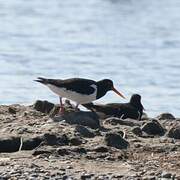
135 43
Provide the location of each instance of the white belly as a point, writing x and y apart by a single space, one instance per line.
72 95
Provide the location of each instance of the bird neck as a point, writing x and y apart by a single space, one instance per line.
137 105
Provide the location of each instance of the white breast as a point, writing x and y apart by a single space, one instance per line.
74 96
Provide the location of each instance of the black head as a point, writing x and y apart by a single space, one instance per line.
104 86
135 98
136 101
107 83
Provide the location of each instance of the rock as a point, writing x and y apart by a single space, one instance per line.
101 149
86 176
115 140
9 144
43 106
62 151
66 177
137 131
89 119
79 150
164 116
174 132
75 141
52 139
117 176
38 152
153 128
126 122
166 175
31 143
12 144
11 110
22 130
84 132
149 178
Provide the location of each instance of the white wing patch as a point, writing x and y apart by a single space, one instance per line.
74 96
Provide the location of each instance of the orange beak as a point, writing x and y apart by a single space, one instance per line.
117 92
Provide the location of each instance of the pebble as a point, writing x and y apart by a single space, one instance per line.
149 178
166 175
86 176
164 116
137 131
66 177
69 167
174 132
12 110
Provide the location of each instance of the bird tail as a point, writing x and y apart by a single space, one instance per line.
42 80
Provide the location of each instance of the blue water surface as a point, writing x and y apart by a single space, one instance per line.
134 43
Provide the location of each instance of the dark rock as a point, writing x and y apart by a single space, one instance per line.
164 116
137 131
137 145
86 176
166 175
117 176
174 132
66 178
9 144
115 140
75 141
43 106
63 151
12 110
38 152
52 139
126 122
79 150
153 128
31 143
84 132
101 149
89 119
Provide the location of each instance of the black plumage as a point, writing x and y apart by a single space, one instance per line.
133 109
79 85
78 89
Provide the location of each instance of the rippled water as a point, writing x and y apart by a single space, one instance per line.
135 43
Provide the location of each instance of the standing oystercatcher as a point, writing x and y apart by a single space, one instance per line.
133 109
80 90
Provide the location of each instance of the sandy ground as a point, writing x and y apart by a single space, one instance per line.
83 156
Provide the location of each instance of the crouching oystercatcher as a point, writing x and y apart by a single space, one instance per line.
80 90
133 109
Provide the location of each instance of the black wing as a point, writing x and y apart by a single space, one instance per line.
108 110
78 85
125 110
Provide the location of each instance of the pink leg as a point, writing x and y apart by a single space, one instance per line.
61 109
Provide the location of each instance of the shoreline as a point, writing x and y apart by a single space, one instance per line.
80 145
150 114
